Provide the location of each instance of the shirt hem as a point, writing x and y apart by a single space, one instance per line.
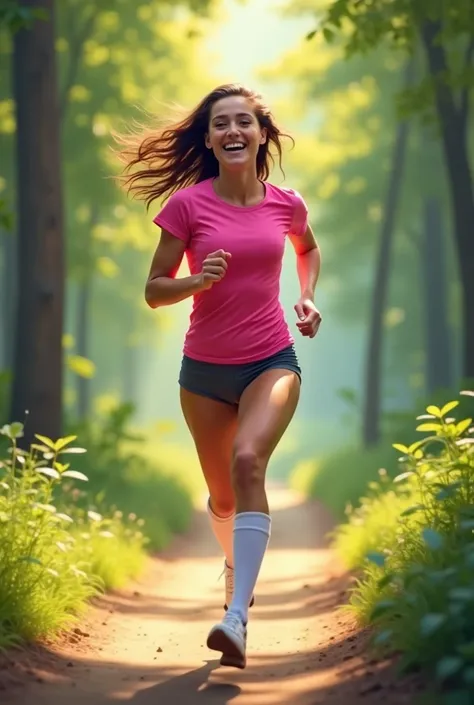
242 360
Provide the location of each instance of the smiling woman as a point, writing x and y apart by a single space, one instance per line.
240 378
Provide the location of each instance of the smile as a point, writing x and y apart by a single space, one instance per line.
234 147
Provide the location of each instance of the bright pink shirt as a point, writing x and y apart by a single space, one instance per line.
240 319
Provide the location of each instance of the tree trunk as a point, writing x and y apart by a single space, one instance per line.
83 307
373 372
438 337
453 121
7 299
38 363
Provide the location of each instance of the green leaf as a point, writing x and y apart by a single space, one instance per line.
328 34
46 441
311 35
412 510
462 593
45 507
381 608
385 580
433 539
75 475
73 450
377 558
64 517
429 427
448 667
400 447
403 476
30 559
50 472
62 442
16 429
431 622
434 411
463 426
449 407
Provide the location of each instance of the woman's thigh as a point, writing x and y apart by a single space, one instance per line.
213 425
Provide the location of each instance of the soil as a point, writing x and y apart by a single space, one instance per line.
146 645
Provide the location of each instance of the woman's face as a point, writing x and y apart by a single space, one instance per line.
234 133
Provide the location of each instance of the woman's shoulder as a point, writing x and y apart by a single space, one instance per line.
285 194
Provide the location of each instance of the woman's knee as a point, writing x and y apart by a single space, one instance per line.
222 503
248 469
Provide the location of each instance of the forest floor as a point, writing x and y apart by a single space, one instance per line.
146 645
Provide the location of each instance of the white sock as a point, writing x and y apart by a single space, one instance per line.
251 536
223 528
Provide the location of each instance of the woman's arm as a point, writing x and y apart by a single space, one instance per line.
308 265
162 288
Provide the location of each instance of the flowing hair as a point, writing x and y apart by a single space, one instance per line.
160 162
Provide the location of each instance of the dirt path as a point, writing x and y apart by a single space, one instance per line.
146 645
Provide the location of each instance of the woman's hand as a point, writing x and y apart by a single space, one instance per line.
214 268
309 317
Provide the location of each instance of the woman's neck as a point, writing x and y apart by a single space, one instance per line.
239 188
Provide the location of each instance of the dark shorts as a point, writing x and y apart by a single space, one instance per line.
226 383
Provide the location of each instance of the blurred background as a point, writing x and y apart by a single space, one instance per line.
369 161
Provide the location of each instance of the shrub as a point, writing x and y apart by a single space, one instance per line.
414 546
54 554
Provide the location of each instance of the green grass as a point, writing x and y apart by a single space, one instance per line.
411 540
340 478
57 549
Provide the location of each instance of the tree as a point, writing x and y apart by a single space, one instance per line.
446 32
37 379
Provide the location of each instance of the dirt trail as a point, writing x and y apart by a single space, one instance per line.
146 645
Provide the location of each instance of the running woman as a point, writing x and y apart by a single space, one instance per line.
239 378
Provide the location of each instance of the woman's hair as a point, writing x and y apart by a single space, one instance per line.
158 163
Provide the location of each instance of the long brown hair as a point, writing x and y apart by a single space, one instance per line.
158 163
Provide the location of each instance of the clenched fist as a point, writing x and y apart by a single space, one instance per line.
214 268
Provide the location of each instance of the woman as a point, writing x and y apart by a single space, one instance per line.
240 377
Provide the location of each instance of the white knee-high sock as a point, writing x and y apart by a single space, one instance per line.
251 536
223 528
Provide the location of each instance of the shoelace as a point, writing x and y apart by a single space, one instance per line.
233 622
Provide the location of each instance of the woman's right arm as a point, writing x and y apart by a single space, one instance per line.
162 288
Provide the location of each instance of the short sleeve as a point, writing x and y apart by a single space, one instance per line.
299 221
175 217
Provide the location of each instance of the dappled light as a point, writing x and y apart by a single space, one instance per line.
351 268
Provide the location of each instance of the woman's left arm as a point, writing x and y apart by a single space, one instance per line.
308 265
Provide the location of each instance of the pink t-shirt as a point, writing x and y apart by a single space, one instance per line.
240 319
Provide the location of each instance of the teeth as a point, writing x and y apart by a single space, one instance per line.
234 145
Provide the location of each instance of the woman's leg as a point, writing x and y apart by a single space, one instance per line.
213 426
266 409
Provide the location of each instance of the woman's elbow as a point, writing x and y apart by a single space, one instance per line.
151 296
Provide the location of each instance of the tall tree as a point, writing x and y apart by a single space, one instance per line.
446 33
37 381
373 371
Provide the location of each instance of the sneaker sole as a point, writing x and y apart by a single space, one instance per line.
218 640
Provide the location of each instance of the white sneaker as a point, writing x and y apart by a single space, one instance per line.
230 637
229 586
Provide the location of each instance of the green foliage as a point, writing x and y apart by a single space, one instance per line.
414 546
14 16
123 476
54 553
